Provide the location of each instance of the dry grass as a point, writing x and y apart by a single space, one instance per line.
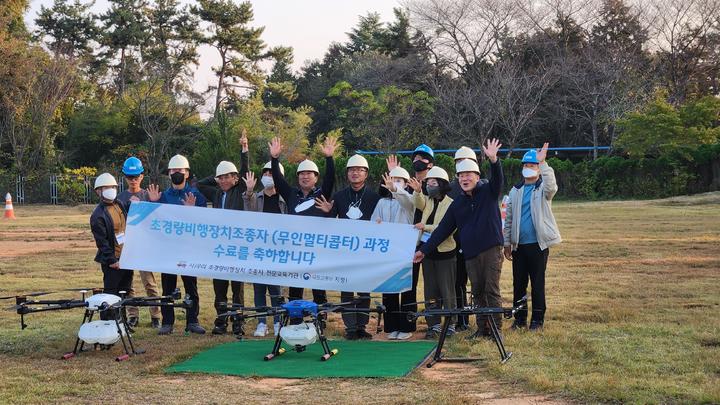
633 316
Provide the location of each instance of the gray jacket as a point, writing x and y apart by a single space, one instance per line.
259 202
540 207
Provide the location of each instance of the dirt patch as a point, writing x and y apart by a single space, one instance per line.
24 248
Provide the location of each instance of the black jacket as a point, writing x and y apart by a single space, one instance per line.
294 196
234 199
103 230
368 200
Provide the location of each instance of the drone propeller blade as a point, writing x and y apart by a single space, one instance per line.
33 294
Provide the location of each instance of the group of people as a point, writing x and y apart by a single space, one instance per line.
460 233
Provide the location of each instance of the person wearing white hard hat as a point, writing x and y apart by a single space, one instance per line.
529 232
228 190
133 171
438 266
267 200
476 217
396 206
179 193
301 200
357 201
107 223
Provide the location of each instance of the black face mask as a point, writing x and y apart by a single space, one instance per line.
177 178
420 166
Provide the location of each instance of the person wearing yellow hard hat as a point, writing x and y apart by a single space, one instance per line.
476 217
357 201
396 206
228 190
107 223
529 232
301 200
179 193
267 200
438 266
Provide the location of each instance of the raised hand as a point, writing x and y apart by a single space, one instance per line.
388 183
329 146
392 162
250 181
415 184
323 204
491 148
275 147
244 141
542 153
153 192
189 199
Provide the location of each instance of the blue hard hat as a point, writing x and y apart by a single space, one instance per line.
132 166
530 157
425 150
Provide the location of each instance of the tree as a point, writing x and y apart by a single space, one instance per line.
69 29
239 45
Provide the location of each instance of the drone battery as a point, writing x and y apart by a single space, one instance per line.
301 308
299 335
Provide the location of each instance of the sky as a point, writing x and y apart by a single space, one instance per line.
308 26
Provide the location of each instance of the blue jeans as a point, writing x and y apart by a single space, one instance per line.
260 301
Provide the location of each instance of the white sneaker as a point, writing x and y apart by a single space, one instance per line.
392 335
276 328
261 330
403 335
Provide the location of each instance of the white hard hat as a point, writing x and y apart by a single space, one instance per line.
400 172
465 153
225 167
178 162
268 166
307 165
467 166
357 161
437 172
105 179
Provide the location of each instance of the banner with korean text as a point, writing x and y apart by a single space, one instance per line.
255 247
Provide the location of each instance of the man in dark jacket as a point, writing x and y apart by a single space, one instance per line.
225 190
107 223
301 200
476 217
357 201
180 193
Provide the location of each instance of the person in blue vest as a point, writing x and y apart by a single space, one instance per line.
179 193
529 232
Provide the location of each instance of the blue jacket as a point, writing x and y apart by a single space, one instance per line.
176 197
476 218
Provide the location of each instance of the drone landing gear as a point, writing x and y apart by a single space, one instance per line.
123 330
494 333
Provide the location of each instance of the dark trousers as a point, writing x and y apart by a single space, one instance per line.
484 273
355 321
276 299
114 281
169 283
529 263
461 279
439 286
221 289
397 305
296 293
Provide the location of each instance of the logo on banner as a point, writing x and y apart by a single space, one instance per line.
306 276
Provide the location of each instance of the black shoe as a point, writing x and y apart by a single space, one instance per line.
518 325
461 327
132 321
537 326
165 330
237 329
219 330
362 334
195 328
351 336
155 323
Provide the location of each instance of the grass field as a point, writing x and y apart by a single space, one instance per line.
633 316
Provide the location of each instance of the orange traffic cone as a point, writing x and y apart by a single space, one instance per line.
9 211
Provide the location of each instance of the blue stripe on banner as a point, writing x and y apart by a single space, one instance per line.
400 281
139 211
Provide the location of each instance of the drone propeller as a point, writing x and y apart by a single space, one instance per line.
33 294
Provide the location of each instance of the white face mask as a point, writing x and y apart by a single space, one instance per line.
305 205
267 181
354 213
529 173
399 185
109 194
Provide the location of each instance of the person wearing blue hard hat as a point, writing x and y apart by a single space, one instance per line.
529 231
133 172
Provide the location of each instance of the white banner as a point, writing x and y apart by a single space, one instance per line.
285 250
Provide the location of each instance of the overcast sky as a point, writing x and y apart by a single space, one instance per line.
308 26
